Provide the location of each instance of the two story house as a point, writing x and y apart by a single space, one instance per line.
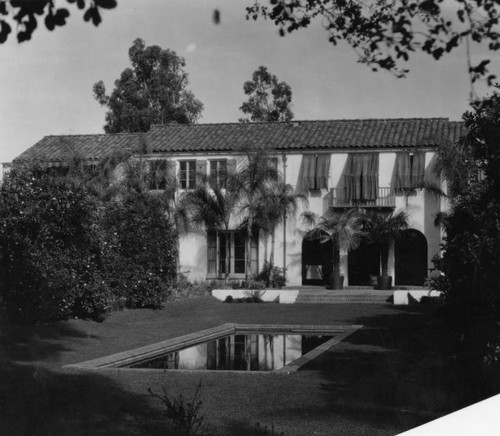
375 164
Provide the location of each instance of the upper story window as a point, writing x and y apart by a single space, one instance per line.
218 172
409 172
187 174
361 176
314 172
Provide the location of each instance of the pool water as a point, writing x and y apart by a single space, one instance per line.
244 351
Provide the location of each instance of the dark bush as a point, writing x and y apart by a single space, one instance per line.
138 250
64 252
48 248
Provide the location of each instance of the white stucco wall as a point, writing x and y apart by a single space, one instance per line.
421 209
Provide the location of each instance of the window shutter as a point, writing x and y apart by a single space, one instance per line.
201 170
231 166
211 253
361 179
370 176
322 170
307 174
402 172
418 169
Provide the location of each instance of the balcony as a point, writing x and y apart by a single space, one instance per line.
385 200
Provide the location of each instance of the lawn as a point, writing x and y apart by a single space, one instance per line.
390 376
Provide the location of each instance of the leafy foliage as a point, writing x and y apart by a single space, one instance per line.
139 250
269 100
152 91
471 252
49 249
380 229
280 203
24 15
257 180
212 204
65 252
343 229
251 284
272 276
385 33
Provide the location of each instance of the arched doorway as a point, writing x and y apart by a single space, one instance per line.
411 258
364 265
317 262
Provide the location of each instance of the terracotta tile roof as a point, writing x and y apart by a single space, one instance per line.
91 147
294 135
305 135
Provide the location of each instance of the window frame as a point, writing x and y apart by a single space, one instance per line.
187 176
218 175
219 261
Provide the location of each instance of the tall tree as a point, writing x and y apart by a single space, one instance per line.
381 230
269 100
212 204
470 259
257 180
342 229
281 203
153 91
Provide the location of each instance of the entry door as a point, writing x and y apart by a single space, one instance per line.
363 265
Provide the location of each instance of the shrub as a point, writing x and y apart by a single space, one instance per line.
182 288
272 276
217 284
48 248
138 250
185 415
249 284
65 253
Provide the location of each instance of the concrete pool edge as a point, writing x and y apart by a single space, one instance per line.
121 359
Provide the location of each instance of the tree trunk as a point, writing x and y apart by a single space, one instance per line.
227 255
336 255
249 245
271 255
384 254
177 256
266 243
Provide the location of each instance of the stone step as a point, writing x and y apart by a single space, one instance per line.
330 298
338 301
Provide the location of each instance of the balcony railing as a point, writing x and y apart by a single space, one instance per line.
385 199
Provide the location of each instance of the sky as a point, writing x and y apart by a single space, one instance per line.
46 83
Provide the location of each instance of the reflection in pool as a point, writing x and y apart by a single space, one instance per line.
238 352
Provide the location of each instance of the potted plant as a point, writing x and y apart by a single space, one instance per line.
343 229
382 229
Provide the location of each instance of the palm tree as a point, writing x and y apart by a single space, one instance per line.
343 229
381 230
212 205
257 180
281 203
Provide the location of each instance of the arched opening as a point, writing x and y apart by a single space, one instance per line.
364 265
411 258
317 262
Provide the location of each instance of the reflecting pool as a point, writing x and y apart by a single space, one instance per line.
238 352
